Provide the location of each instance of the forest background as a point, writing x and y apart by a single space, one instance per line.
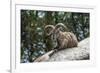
32 30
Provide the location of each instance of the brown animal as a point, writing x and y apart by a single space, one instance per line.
64 39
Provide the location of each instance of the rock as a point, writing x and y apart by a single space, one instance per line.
82 52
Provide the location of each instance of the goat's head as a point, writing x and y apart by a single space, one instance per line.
49 35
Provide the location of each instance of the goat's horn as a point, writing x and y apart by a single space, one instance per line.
49 26
60 25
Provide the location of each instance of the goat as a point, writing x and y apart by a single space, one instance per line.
64 39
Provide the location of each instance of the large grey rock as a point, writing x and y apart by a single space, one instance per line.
82 52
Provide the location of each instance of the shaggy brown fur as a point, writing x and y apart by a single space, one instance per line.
64 39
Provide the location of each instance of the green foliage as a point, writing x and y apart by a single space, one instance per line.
33 40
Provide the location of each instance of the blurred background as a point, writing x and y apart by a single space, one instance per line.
32 30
